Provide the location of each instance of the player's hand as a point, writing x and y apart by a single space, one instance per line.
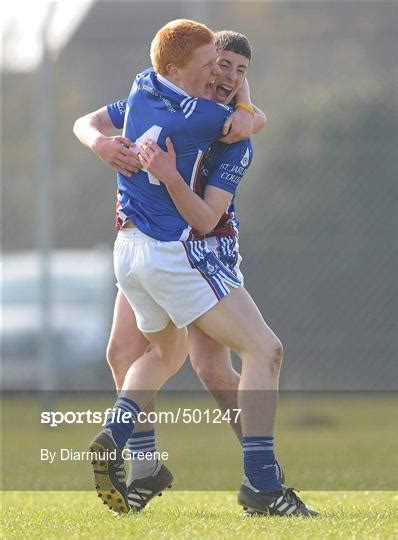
158 162
238 127
118 152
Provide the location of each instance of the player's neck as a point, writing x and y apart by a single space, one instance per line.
174 83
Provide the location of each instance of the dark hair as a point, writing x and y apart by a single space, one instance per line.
228 40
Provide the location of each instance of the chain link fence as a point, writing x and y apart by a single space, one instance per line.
318 209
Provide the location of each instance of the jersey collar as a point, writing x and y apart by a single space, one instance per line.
171 85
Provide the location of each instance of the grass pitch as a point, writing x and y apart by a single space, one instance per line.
328 445
359 515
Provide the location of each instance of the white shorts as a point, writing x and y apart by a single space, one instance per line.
176 281
226 249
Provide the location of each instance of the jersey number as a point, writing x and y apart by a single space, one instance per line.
153 134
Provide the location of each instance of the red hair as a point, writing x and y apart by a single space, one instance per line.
175 42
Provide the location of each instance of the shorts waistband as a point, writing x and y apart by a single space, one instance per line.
133 233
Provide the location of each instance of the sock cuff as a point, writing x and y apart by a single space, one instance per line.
257 443
128 405
257 438
143 441
143 434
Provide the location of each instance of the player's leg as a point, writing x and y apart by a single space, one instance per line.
150 477
147 374
169 348
237 322
144 377
212 362
198 287
133 261
189 283
126 344
168 351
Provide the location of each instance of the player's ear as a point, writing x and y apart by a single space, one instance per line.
171 69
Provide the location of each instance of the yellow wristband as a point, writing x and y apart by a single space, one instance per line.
245 106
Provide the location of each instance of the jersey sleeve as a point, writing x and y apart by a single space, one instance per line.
205 119
116 112
230 163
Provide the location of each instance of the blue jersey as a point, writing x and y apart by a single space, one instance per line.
158 109
223 166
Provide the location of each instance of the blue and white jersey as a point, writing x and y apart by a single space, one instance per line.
117 112
223 166
157 109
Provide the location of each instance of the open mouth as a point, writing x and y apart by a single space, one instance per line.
223 91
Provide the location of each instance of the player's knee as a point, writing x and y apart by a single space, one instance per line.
275 354
268 351
119 356
278 352
174 351
113 354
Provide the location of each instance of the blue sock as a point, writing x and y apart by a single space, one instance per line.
121 420
259 463
142 441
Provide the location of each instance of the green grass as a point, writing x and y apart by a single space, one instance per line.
359 515
334 446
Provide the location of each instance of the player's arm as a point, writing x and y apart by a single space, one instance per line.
246 120
260 120
115 151
202 214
